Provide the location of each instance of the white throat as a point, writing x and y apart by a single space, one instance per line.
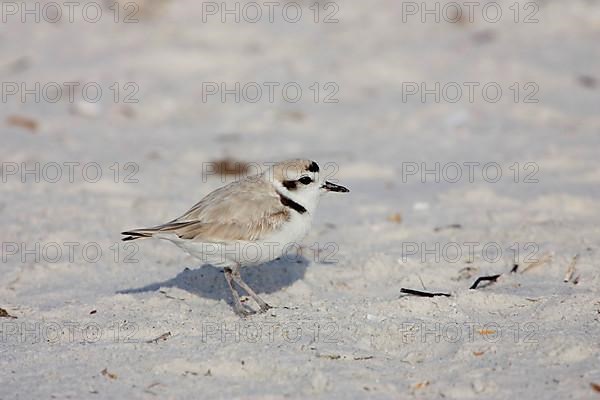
309 199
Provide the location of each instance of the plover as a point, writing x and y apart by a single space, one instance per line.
248 222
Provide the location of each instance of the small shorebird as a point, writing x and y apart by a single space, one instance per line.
248 222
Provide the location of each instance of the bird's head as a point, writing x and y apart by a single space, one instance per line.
301 181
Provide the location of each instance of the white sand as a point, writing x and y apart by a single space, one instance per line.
341 329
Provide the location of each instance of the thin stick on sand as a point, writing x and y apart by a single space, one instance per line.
571 269
491 278
164 336
545 258
423 294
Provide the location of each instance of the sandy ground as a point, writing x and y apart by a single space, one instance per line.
86 319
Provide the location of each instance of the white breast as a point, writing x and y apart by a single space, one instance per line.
292 232
284 242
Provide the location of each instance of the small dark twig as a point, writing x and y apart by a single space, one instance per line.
164 336
491 278
451 226
5 314
422 294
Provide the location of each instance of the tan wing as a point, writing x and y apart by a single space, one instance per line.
244 210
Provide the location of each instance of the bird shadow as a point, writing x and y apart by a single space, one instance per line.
209 282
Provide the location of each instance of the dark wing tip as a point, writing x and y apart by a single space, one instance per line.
132 235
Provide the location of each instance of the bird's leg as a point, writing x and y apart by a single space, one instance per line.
237 278
237 304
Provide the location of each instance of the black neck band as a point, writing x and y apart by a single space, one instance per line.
286 201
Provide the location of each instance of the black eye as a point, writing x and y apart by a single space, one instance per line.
305 180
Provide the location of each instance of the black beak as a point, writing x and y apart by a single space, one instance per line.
332 187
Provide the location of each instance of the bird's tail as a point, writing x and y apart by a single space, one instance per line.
137 234
170 227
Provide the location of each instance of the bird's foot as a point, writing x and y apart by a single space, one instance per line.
241 311
264 307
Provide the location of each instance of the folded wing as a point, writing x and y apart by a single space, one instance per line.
244 210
